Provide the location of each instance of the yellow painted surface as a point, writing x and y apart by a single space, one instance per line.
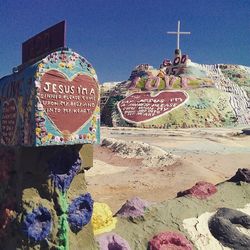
102 218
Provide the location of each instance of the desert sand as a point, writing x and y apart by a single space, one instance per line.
180 158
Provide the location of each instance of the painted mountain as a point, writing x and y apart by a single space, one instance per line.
182 94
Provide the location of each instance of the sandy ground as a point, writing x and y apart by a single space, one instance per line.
212 155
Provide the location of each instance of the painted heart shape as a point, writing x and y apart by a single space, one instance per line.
141 107
9 121
69 103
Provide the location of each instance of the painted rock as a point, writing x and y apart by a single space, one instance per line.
224 227
200 190
112 241
242 174
169 240
133 208
102 218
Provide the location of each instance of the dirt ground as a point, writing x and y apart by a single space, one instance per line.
212 155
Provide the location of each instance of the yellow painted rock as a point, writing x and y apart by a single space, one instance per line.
102 218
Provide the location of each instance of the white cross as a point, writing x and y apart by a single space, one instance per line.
178 33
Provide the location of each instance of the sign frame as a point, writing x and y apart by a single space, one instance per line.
44 42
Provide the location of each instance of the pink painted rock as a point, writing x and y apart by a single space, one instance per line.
133 208
200 190
170 241
242 174
112 241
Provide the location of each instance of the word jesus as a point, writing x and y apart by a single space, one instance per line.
67 89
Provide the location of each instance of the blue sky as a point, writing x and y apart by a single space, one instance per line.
117 35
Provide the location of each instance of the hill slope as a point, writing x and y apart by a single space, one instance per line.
216 96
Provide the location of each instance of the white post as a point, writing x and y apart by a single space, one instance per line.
178 33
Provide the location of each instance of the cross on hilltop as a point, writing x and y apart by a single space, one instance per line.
178 33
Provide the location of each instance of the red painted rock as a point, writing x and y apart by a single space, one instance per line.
170 241
141 107
200 190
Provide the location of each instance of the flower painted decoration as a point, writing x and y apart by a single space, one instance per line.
80 212
64 166
37 224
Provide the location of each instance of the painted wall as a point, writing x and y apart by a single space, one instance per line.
52 102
